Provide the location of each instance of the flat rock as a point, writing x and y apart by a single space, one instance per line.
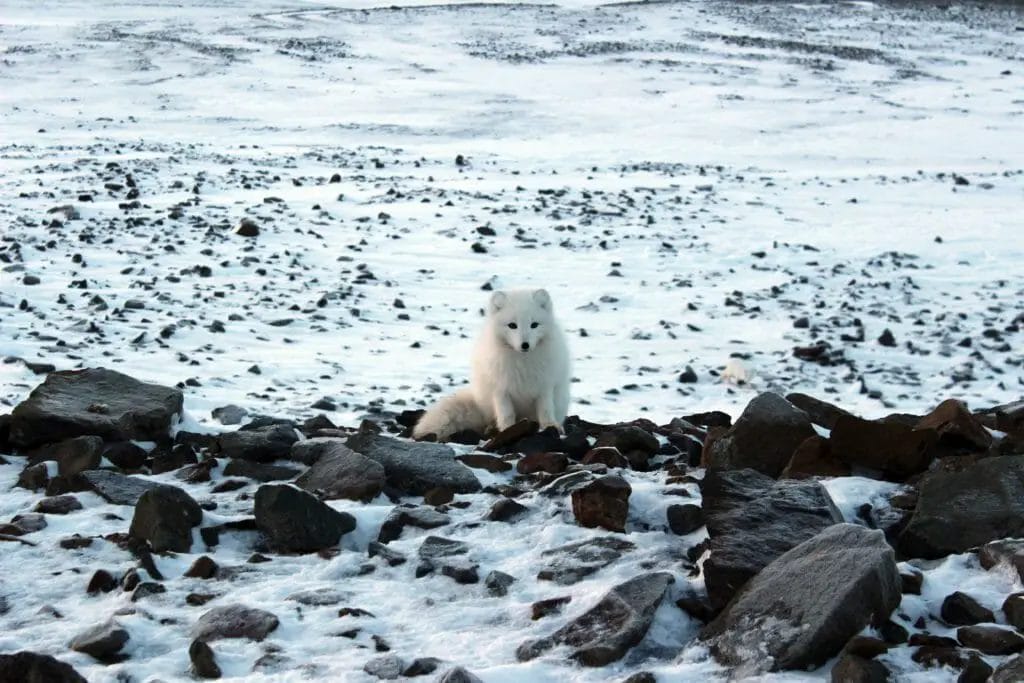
957 511
990 639
800 610
58 505
234 621
117 488
606 632
164 517
821 412
342 473
764 437
751 520
568 564
415 467
261 444
421 517
97 402
32 667
294 520
386 667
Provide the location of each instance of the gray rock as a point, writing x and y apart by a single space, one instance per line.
1010 671
119 489
385 667
32 667
421 517
497 583
102 642
434 547
204 664
415 467
229 414
165 517
259 471
800 610
234 621
751 520
853 669
763 438
296 521
308 451
571 563
957 511
95 402
1008 551
458 675
58 505
604 633
342 473
73 455
262 444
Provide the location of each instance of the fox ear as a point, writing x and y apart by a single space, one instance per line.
498 301
542 298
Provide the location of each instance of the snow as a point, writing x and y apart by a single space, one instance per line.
824 135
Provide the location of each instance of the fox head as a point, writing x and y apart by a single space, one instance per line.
521 318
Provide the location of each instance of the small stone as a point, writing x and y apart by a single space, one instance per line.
505 510
387 667
247 228
960 609
497 583
685 519
101 581
102 642
58 505
204 664
234 621
602 503
990 640
543 608
203 568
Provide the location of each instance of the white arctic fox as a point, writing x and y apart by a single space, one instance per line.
520 370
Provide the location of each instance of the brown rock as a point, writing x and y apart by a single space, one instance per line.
1013 608
605 455
960 609
603 502
543 608
813 458
990 640
893 448
956 426
483 461
552 463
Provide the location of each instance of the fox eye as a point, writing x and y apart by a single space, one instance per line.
512 326
534 326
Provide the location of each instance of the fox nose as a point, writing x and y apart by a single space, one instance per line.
525 346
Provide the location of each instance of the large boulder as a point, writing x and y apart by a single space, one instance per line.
415 467
259 444
957 511
32 667
296 521
752 519
234 621
802 609
763 438
606 632
97 402
956 426
891 447
117 488
165 516
342 473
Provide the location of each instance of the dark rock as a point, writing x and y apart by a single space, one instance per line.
117 488
125 455
603 502
956 426
957 511
544 608
752 520
165 517
853 669
821 412
813 458
641 677
960 609
936 656
204 664
434 547
234 621
891 447
392 557
259 471
567 483
696 605
483 461
403 516
343 473
229 414
764 437
309 451
911 582
58 505
31 667
1008 551
892 633
684 519
628 438
501 441
203 568
146 589
34 477
415 467
95 402
421 666
571 563
605 455
866 647
168 459
505 510
101 581
497 583
464 573
296 521
552 463
228 485
929 640
102 642
385 667
1010 671
458 675
73 455
1013 608
438 496
608 630
262 444
801 609
247 227
990 640
976 670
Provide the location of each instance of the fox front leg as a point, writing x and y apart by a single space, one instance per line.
546 415
504 412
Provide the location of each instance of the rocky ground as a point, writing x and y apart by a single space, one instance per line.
285 219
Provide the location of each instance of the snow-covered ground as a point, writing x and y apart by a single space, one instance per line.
686 178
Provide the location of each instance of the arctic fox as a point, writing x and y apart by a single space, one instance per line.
520 370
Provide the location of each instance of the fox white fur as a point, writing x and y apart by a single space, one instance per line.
520 370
